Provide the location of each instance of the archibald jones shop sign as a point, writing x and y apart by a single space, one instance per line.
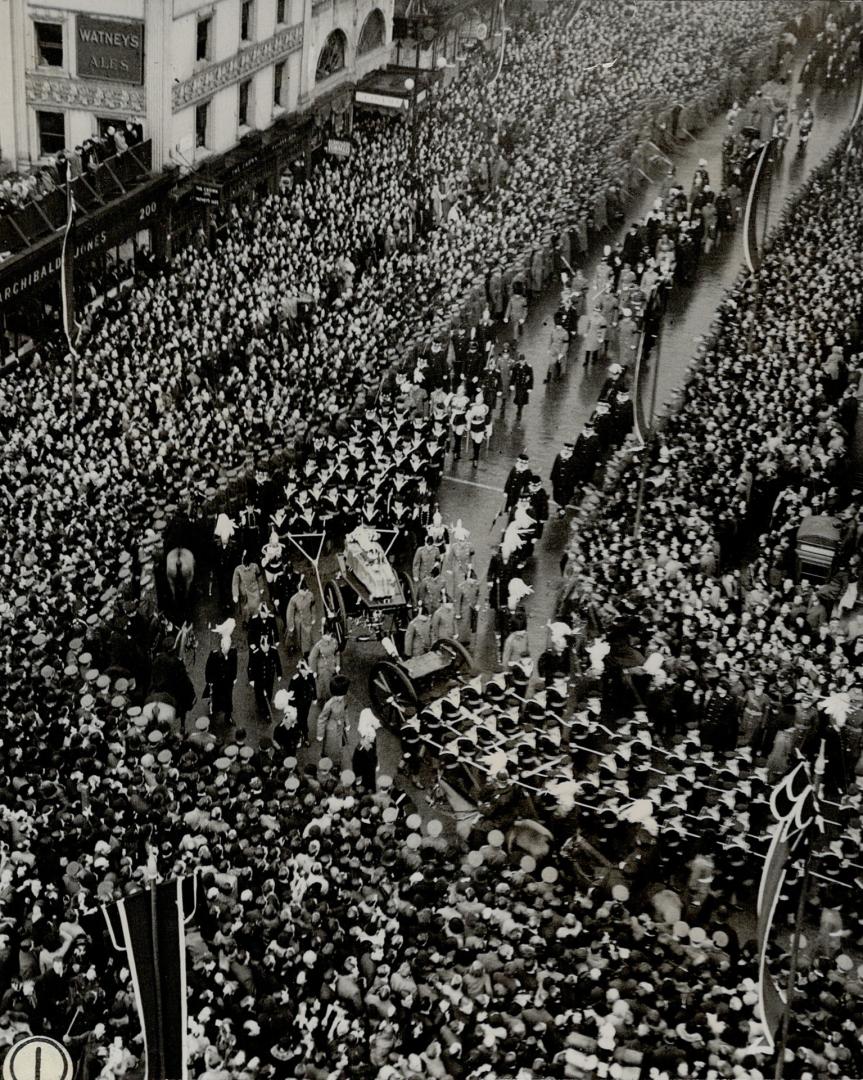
33 269
110 49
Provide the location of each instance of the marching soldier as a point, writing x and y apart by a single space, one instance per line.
425 558
443 622
563 478
521 382
538 505
467 601
558 347
627 338
300 618
477 419
418 635
432 589
264 668
517 481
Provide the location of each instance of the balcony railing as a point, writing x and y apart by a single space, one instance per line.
111 178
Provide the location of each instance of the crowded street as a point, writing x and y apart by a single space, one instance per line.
432 546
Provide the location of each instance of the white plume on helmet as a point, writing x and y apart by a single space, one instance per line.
653 664
224 528
283 699
517 591
837 707
226 629
597 653
368 726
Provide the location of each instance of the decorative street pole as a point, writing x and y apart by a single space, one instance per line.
411 87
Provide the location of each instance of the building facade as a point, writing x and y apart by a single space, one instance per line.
224 98
197 75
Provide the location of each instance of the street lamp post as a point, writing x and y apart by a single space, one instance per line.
411 87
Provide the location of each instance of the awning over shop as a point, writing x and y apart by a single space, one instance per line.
239 170
37 266
226 178
386 89
112 180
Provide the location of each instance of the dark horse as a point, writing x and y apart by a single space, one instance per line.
180 575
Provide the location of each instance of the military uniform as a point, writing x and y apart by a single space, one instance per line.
467 602
563 477
418 636
431 590
264 668
517 481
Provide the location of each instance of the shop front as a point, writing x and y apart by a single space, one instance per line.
111 243
201 206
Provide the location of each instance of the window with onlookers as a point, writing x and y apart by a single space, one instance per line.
52 132
202 50
105 125
202 124
278 84
49 44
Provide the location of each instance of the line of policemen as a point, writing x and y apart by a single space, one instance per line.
836 52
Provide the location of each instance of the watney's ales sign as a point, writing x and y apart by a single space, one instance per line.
110 49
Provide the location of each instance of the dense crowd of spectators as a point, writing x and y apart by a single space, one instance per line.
411 964
766 460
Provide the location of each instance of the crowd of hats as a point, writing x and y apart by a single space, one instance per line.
758 443
188 365
684 793
627 297
178 387
384 473
341 934
173 389
563 164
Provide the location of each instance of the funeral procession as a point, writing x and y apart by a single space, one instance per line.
431 579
